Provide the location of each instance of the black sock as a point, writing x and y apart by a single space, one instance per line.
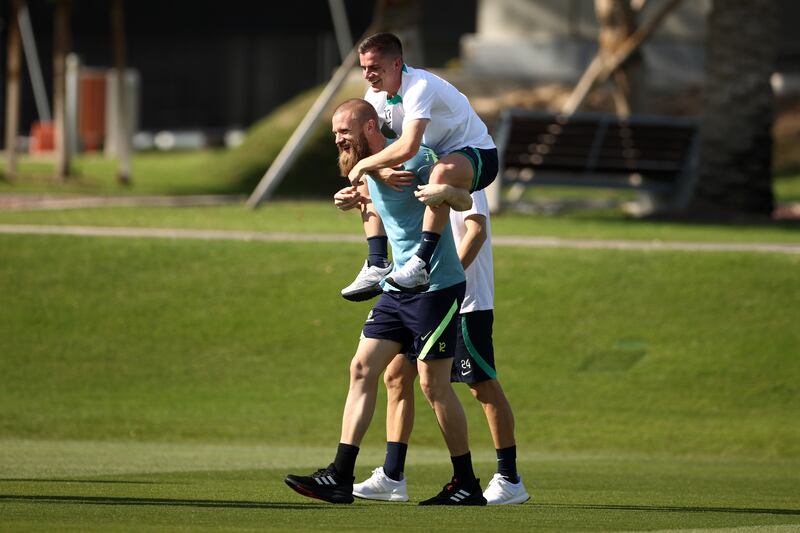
462 467
427 245
378 251
345 462
507 463
395 461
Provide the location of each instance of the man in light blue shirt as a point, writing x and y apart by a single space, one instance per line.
422 325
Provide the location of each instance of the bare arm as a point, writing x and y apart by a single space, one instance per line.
473 239
369 216
395 154
348 198
396 178
358 197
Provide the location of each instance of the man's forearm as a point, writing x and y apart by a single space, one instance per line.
391 156
473 240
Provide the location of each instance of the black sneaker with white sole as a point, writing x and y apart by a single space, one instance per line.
324 484
458 493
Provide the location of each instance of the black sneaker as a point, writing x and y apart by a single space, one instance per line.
324 484
458 493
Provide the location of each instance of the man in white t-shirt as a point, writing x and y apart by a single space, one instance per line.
417 107
473 364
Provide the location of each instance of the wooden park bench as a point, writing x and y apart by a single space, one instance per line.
650 154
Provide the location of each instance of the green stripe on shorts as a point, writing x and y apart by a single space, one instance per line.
478 170
438 332
477 165
487 369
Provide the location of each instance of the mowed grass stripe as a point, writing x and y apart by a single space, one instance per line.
40 459
586 494
53 459
533 242
235 342
320 217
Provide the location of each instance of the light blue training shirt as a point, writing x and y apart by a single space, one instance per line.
402 216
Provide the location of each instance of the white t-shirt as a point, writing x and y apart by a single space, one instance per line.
422 95
480 274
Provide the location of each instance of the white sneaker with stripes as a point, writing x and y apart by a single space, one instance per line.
379 486
501 491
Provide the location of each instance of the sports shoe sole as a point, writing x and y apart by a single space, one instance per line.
512 501
382 497
411 290
453 504
363 294
334 497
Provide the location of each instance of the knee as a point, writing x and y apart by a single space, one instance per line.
440 173
396 382
428 392
486 392
432 390
358 370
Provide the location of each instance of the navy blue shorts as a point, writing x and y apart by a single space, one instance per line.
474 360
484 164
425 325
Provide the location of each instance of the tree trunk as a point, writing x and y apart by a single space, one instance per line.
13 69
61 42
735 165
618 21
120 59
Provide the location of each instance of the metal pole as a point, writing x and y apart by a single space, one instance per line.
297 141
341 27
601 66
34 68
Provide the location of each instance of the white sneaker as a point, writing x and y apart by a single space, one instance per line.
379 486
501 491
412 277
367 283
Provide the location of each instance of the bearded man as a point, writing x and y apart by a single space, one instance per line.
423 325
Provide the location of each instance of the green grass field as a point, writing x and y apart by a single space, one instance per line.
170 385
322 217
151 384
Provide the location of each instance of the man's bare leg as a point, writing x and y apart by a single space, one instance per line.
434 379
335 483
388 483
498 411
399 380
371 358
455 170
506 485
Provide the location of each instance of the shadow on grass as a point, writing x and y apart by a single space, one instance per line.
670 508
232 504
91 481
106 500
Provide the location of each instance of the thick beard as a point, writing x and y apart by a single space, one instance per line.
359 149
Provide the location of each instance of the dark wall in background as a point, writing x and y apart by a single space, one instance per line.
216 64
